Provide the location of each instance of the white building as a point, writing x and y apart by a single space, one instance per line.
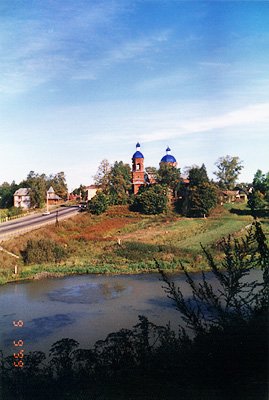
22 198
91 191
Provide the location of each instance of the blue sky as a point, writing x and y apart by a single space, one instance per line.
82 81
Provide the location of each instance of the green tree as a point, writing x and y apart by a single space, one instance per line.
150 199
258 199
229 169
6 194
43 251
58 182
102 176
120 184
198 176
169 175
151 173
261 183
80 191
38 188
98 204
200 196
201 199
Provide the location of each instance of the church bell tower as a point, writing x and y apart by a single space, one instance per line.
138 172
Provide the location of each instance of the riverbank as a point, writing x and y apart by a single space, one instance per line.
124 242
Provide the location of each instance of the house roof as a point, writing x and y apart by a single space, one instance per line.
229 192
93 187
22 192
54 196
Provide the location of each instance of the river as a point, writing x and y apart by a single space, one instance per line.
85 308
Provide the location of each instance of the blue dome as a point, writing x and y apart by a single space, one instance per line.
138 154
168 159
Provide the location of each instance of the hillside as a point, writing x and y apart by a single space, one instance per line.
121 241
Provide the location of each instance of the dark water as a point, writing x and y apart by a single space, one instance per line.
85 308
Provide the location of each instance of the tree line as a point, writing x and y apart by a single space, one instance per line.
195 196
38 185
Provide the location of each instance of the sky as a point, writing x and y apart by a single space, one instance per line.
85 80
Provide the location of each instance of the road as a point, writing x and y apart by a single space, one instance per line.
26 224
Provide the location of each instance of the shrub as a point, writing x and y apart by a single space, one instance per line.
43 251
14 211
98 204
150 200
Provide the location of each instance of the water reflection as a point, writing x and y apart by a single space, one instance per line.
86 308
89 293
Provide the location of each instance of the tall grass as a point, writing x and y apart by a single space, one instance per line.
124 242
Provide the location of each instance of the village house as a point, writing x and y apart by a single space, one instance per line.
52 198
91 191
232 196
22 198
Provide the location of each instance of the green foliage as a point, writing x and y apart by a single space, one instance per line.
115 181
151 172
120 183
6 194
38 186
43 251
258 199
197 176
234 299
102 176
168 175
58 182
14 211
201 200
198 199
150 199
229 169
261 182
80 191
98 204
40 183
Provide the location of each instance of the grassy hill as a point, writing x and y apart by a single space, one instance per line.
121 241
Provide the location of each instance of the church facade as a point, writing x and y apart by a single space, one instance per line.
138 168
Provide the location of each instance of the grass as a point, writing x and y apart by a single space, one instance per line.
121 241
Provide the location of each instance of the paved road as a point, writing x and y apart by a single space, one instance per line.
26 224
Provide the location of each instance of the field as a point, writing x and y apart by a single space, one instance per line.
121 241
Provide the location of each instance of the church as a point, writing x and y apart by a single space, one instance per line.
138 169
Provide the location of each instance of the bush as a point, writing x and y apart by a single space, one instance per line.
150 200
43 251
98 204
13 211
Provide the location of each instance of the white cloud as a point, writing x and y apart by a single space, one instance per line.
248 115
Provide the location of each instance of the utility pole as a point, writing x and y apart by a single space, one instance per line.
57 219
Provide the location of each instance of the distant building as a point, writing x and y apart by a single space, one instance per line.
74 197
22 198
232 196
91 191
138 172
53 198
139 176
